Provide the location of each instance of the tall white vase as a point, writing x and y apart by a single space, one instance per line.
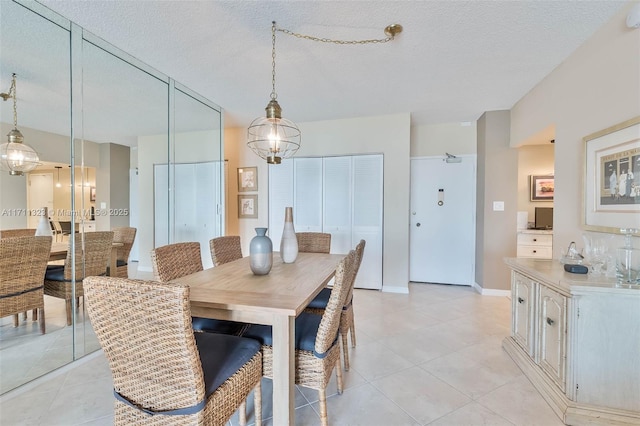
289 242
44 227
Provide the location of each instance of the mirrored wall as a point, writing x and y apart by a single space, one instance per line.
120 145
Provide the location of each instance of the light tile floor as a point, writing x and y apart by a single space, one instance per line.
432 357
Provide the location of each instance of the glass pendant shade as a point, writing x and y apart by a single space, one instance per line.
16 157
273 137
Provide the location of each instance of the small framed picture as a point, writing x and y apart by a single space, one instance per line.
92 193
542 188
247 206
247 179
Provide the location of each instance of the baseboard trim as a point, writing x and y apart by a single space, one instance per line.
395 289
491 291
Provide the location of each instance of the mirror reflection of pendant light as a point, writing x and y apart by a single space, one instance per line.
273 137
16 156
58 184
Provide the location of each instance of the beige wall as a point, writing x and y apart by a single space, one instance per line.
388 135
436 139
597 87
533 160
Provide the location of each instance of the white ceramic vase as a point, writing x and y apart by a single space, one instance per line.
289 242
44 227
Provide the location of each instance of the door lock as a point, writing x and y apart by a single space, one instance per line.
418 224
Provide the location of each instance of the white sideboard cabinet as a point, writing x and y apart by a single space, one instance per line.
577 338
535 244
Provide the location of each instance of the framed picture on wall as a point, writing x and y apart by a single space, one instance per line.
611 197
92 193
541 188
247 206
247 179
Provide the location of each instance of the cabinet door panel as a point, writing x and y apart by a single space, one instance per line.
553 327
523 303
280 196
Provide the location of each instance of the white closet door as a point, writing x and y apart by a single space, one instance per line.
184 196
367 217
280 196
337 202
161 201
307 202
206 197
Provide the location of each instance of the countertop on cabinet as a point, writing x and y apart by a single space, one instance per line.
552 273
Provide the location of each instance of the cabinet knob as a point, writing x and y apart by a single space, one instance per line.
535 251
520 300
550 321
535 239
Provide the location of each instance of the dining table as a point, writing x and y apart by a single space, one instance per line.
232 292
59 252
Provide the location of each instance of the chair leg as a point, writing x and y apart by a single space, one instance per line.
242 411
42 323
345 349
352 330
34 315
69 309
257 403
339 377
322 397
16 320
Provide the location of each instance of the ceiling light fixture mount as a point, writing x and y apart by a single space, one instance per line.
273 137
16 156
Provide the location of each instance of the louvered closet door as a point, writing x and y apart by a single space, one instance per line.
185 195
337 196
367 217
280 196
307 202
208 218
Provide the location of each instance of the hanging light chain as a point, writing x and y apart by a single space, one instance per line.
391 30
11 94
274 95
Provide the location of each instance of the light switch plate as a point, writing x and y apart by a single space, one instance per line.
104 206
498 206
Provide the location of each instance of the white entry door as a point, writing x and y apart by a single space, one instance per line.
40 195
442 236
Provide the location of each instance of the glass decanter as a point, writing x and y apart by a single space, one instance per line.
628 260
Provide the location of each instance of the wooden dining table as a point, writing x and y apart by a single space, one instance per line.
59 252
232 292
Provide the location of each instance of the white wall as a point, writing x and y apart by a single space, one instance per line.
389 135
597 87
437 139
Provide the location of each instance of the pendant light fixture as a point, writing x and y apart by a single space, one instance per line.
58 184
273 137
16 156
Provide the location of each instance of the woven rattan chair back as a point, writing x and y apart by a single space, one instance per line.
313 242
176 260
23 262
125 235
225 249
328 329
13 233
356 267
93 251
145 331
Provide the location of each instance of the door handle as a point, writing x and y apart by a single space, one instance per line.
418 224
520 300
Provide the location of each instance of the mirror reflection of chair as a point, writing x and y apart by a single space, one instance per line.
167 374
313 242
23 262
317 351
93 252
58 231
225 249
347 323
126 236
12 233
179 259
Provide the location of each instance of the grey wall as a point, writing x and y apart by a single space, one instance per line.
497 181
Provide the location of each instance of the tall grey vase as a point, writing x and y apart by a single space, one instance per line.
289 242
261 253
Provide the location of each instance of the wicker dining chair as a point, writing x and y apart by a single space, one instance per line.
225 249
125 235
93 252
313 242
179 259
347 323
164 373
13 233
317 352
23 262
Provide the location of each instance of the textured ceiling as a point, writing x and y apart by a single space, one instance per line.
454 60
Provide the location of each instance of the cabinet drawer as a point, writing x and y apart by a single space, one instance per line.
535 239
535 252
